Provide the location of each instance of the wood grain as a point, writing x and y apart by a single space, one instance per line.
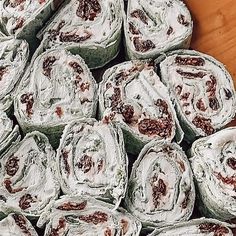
215 31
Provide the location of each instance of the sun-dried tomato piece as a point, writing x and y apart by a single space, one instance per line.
211 86
227 180
185 96
107 232
181 19
204 124
186 199
143 45
47 65
53 33
200 105
69 206
162 105
115 98
189 61
133 29
84 86
170 30
158 190
59 112
191 75
21 223
7 184
96 218
228 93
3 70
128 112
178 89
19 24
73 37
76 66
88 9
232 163
218 230
85 163
214 103
139 14
15 3
65 160
28 99
25 201
61 225
12 165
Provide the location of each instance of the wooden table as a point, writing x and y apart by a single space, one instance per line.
215 31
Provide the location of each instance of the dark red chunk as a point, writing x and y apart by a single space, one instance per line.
190 61
70 206
214 103
59 112
21 223
97 217
204 124
88 9
218 230
200 105
191 75
227 180
55 32
143 45
232 163
158 190
181 19
108 232
162 105
76 66
28 99
211 86
47 65
115 98
185 96
65 160
3 70
228 93
7 183
15 3
19 24
84 86
128 113
73 37
139 14
25 201
85 163
12 165
61 225
186 199
133 29
178 89
170 30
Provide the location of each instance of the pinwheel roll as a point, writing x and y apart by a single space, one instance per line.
132 96
57 88
16 224
214 165
23 18
92 160
154 26
198 227
203 91
161 189
86 216
90 28
9 134
13 58
27 176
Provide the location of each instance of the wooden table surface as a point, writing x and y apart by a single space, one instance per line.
215 31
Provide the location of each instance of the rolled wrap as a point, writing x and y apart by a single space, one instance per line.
160 189
14 55
214 166
132 96
16 225
23 18
152 27
56 89
196 227
92 161
9 134
86 216
202 89
28 176
90 28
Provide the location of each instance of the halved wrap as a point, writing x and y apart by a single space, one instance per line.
56 89
91 160
160 190
196 227
9 133
90 28
16 225
214 166
202 89
152 27
14 55
86 216
132 95
28 176
23 18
